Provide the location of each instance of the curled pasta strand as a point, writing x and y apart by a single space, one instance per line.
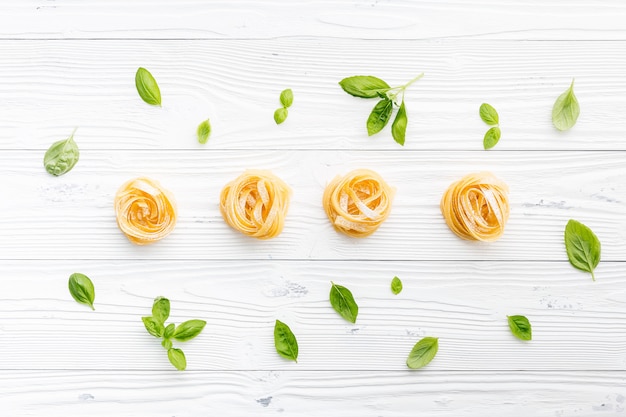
145 212
256 204
358 202
476 207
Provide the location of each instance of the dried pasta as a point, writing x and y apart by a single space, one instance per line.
476 207
256 204
358 202
145 212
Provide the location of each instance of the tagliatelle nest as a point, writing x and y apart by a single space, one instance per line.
256 204
476 207
145 212
358 202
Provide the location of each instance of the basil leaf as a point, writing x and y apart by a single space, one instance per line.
491 137
167 344
489 114
204 131
582 246
364 86
280 115
61 156
154 327
188 330
398 127
379 117
147 87
285 341
423 352
169 330
161 309
82 289
520 327
396 285
566 109
177 358
342 301
286 98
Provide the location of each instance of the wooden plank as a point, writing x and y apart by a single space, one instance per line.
49 88
390 19
72 217
577 324
310 394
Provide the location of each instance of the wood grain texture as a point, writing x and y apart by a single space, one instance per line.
72 217
372 19
311 394
49 88
577 324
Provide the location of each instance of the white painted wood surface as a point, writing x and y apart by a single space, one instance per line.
68 63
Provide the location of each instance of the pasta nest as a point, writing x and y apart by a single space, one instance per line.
358 202
145 212
476 207
256 204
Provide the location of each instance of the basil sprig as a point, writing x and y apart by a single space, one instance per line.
285 341
61 156
343 302
490 116
147 87
368 86
82 289
155 325
582 246
566 109
520 327
286 99
423 352
396 285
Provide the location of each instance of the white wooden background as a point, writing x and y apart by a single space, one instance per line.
71 63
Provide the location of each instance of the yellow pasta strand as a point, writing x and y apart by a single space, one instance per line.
476 207
145 212
256 204
358 203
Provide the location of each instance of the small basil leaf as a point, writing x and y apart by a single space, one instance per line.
82 289
188 330
492 136
169 330
286 98
154 327
396 285
520 327
343 302
204 131
566 109
379 117
364 86
423 352
398 127
280 115
161 309
147 87
489 114
61 156
166 343
285 341
582 246
177 358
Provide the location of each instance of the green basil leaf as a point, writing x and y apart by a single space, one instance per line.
364 86
177 358
582 246
491 137
280 115
166 343
396 285
520 327
169 330
286 98
343 302
566 109
188 330
489 114
147 87
154 327
398 127
82 289
423 352
285 341
61 156
161 309
379 117
204 131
